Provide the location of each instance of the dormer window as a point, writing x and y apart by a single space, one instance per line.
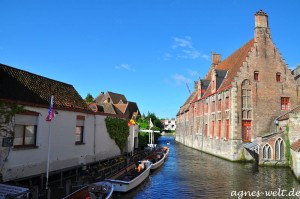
256 73
278 77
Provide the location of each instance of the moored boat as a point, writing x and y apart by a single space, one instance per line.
97 190
130 177
158 157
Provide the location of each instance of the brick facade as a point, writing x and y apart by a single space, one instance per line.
246 92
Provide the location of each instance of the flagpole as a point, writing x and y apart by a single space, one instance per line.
48 119
48 157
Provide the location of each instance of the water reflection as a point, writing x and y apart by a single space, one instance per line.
189 173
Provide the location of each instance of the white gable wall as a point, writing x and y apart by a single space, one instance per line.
64 152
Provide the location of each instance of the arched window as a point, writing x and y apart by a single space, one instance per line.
279 149
246 94
256 75
246 111
278 77
267 152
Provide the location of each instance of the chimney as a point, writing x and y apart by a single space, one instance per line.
261 30
261 19
216 58
199 95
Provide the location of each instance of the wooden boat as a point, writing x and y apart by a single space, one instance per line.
158 157
13 191
130 177
97 190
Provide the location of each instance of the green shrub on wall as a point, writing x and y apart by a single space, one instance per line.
118 130
287 146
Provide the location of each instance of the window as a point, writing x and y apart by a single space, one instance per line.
25 135
206 130
219 129
278 77
246 100
213 106
227 130
79 130
256 75
227 103
25 129
206 108
285 103
220 105
212 128
279 149
267 152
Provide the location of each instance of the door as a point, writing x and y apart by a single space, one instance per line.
247 131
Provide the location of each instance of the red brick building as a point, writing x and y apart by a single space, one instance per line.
239 98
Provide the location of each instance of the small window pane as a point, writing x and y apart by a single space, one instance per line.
79 130
29 135
18 140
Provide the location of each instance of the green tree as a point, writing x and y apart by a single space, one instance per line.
145 121
7 123
89 98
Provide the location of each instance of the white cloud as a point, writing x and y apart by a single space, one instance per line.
185 49
193 73
180 79
125 67
182 42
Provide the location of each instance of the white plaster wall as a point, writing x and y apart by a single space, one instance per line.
296 163
63 151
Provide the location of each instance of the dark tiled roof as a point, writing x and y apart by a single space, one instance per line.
232 65
220 77
132 108
121 108
99 98
28 88
185 107
116 98
109 108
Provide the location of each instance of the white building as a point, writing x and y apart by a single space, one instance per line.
75 136
169 124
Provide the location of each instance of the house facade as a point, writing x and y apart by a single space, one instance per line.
235 105
76 136
169 124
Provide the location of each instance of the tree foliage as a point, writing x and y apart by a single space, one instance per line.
89 98
118 131
7 114
7 123
144 122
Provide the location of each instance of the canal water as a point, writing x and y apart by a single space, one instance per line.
188 173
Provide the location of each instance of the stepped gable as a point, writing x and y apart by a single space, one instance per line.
30 89
232 65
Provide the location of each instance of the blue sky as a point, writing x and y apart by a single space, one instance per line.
148 50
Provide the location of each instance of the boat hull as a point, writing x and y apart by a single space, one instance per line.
89 190
124 185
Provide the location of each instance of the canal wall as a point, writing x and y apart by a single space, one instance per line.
232 150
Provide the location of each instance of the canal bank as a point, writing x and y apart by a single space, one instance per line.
189 173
